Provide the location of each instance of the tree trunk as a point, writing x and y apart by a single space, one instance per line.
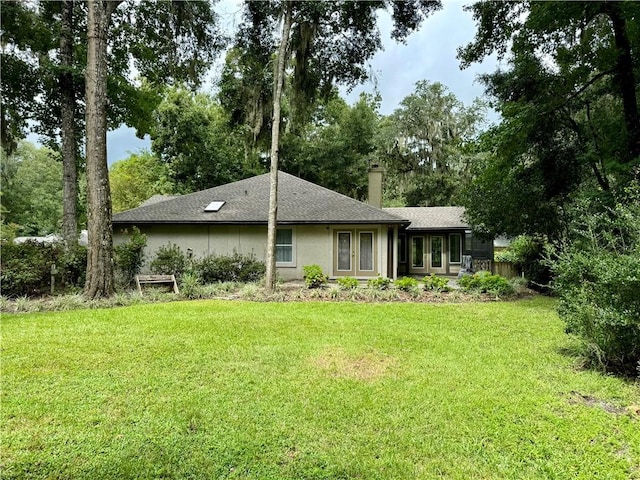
270 281
625 79
67 130
100 281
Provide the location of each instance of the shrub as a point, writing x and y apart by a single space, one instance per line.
599 302
598 282
468 282
169 260
229 268
25 268
379 283
73 265
406 284
485 282
347 283
434 283
314 277
129 257
528 255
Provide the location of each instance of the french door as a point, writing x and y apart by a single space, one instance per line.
354 253
436 263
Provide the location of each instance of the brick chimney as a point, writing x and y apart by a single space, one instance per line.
375 185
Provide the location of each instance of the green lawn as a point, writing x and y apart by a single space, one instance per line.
217 389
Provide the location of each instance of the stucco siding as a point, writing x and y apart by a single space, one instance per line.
311 243
193 237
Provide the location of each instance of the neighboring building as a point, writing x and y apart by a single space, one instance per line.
315 226
83 239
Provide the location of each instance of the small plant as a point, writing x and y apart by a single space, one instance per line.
436 284
251 291
406 284
314 277
379 283
190 286
485 282
347 283
334 293
519 284
169 260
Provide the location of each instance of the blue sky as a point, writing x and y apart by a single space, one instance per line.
429 54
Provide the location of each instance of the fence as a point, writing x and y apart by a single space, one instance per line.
504 269
481 265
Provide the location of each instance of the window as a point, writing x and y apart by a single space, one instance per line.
366 251
213 206
436 252
344 251
455 250
284 247
417 259
467 241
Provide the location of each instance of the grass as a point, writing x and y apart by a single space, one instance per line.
215 389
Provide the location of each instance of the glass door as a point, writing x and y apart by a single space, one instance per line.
365 253
344 265
436 252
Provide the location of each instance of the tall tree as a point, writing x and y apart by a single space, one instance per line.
137 178
192 137
330 43
427 145
165 41
100 281
31 189
67 127
569 107
278 82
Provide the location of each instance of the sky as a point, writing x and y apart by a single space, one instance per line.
429 54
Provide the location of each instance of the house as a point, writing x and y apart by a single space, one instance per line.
315 226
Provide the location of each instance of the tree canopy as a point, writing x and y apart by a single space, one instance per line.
192 136
31 189
336 131
427 145
136 179
569 106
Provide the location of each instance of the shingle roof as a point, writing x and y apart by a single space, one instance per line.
247 201
432 218
156 199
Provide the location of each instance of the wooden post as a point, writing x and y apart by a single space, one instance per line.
54 270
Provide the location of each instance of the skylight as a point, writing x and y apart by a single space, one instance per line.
213 206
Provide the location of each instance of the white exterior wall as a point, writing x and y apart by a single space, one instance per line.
313 244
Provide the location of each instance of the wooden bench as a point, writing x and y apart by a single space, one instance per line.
156 280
